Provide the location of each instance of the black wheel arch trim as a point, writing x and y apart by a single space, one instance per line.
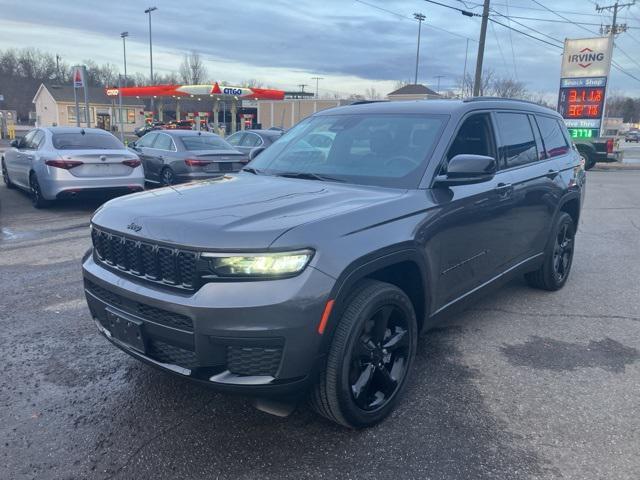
365 266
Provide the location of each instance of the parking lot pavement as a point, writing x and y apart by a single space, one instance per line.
525 384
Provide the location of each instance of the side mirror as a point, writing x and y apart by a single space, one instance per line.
15 143
467 169
255 152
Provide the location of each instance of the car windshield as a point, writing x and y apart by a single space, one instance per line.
86 141
205 142
379 149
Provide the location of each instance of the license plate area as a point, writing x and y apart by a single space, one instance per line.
126 330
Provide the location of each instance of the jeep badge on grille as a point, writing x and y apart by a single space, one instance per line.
134 226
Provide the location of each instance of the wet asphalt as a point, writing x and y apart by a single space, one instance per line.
524 384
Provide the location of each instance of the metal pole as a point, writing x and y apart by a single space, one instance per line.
148 11
86 96
75 99
419 17
317 79
124 36
483 36
120 108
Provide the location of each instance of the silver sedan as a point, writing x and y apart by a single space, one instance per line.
64 162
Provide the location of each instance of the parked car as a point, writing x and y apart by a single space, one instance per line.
147 127
633 136
253 140
313 274
175 156
65 162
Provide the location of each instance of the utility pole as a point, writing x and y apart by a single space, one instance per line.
483 36
614 29
438 87
420 18
302 85
317 79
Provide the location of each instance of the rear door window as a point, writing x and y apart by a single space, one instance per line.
250 140
235 139
163 142
554 141
147 140
518 143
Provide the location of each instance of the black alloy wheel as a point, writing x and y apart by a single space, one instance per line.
369 358
36 193
379 358
167 177
563 252
555 269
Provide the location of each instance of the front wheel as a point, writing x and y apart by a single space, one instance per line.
369 358
554 272
5 176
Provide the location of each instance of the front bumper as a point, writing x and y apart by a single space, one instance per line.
249 337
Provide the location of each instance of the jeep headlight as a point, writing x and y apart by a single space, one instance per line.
277 264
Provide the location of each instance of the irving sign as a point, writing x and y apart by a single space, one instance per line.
586 57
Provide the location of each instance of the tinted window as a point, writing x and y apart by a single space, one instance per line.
250 140
554 142
235 139
205 142
147 140
518 143
25 142
163 142
85 141
475 137
374 149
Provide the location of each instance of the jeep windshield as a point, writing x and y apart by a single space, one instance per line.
373 149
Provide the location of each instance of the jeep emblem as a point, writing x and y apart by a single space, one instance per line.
134 226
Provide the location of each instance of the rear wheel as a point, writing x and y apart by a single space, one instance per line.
554 272
167 177
5 176
588 160
36 193
370 357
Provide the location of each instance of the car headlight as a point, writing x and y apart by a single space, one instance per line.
277 264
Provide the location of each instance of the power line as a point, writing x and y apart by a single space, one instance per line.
529 27
513 52
563 17
521 7
407 17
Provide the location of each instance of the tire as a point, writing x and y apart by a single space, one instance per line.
36 193
167 177
554 272
5 176
589 162
370 357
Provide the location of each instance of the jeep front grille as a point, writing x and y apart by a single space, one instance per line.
166 265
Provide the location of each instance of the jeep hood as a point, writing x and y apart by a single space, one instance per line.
241 211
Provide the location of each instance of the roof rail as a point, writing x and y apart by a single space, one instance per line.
363 102
489 99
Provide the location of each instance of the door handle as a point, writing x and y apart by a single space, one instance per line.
504 190
30 157
553 173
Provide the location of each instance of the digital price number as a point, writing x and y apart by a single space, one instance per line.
582 102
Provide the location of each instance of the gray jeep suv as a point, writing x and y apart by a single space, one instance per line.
313 270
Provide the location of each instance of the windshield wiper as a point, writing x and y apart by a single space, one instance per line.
255 171
309 176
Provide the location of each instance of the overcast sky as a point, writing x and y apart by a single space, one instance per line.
354 46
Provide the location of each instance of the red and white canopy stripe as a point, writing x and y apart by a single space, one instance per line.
247 93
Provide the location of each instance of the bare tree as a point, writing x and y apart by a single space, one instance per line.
252 83
400 83
507 88
372 94
192 69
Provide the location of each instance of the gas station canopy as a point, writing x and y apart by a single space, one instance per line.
213 90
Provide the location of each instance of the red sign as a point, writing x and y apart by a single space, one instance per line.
581 102
78 80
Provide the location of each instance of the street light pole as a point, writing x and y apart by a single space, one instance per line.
317 79
420 18
148 11
124 36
